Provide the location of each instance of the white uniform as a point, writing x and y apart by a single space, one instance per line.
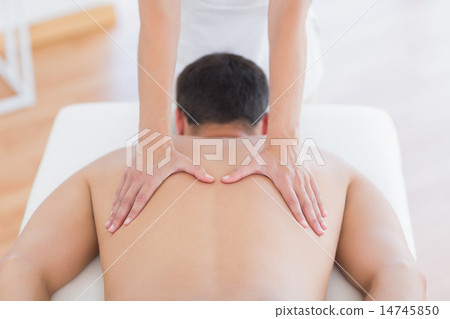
239 27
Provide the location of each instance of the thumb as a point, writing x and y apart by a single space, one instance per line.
199 172
238 173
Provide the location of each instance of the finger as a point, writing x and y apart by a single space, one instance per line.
313 200
308 211
317 195
238 173
126 186
125 207
290 197
119 188
199 172
132 179
120 193
142 199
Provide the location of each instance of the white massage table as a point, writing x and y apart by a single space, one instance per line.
365 137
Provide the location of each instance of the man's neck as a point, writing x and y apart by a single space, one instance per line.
220 130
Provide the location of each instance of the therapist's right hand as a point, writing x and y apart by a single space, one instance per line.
137 185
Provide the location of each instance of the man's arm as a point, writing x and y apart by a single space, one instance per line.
57 243
372 248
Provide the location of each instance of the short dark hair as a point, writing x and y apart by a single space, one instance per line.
222 88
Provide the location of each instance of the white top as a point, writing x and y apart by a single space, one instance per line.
239 27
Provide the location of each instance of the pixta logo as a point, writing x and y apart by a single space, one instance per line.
140 148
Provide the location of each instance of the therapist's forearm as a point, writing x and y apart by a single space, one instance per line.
287 39
158 43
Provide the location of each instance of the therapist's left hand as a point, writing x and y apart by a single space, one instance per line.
295 183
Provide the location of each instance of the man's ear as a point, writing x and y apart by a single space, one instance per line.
265 124
179 121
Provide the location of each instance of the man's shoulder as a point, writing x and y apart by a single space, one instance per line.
331 166
107 165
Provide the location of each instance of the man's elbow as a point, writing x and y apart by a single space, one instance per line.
415 277
400 280
20 279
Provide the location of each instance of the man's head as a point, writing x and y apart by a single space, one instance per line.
224 93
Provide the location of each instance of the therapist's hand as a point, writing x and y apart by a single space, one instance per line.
137 187
295 183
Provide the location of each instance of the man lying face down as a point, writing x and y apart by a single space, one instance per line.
197 241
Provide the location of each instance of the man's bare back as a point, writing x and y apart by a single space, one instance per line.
219 241
196 241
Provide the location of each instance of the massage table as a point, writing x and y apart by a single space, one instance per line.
365 137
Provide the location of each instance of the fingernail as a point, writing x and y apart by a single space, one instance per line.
324 225
127 221
325 213
304 224
107 224
226 177
111 229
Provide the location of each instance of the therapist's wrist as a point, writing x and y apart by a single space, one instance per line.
283 133
160 128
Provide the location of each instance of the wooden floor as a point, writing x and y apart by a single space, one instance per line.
397 58
394 58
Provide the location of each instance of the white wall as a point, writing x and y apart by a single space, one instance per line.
43 10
